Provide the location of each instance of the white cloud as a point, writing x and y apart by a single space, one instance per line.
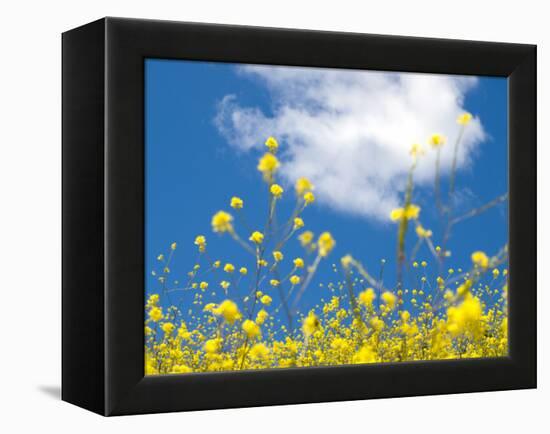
350 131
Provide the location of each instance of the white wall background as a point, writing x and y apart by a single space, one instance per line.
30 214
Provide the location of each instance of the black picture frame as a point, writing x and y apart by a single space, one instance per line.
103 215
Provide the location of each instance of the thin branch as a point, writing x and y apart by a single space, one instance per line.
477 211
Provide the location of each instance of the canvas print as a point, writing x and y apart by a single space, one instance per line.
298 217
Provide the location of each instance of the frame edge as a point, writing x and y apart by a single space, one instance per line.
83 327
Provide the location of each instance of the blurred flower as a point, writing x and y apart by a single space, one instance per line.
303 185
268 165
326 243
437 140
464 118
298 263
257 237
423 233
309 198
310 324
221 222
295 280
266 299
236 202
480 259
228 310
272 144
278 256
298 223
305 238
251 329
276 190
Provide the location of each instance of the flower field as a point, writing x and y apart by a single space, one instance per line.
430 311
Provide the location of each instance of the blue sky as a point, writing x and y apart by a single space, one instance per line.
195 165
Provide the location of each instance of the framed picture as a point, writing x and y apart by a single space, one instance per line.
264 216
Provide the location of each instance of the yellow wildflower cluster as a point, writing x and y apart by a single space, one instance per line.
223 338
410 212
255 322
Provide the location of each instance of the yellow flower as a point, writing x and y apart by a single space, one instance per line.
416 150
210 307
310 324
339 344
251 329
365 355
464 118
464 289
410 212
261 317
266 299
326 243
423 233
229 310
437 140
298 263
243 271
203 285
274 282
480 259
173 246
259 351
217 264
367 297
257 237
298 223
160 257
306 238
153 300
212 346
200 240
389 299
224 284
377 324
346 261
295 280
272 144
229 268
465 318
496 273
396 214
181 369
221 222
268 165
168 327
276 190
303 185
278 256
236 202
309 198
156 314
262 263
